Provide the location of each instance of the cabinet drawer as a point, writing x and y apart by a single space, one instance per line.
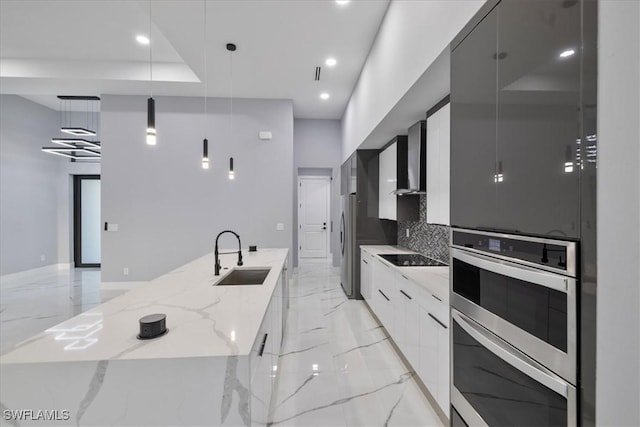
425 299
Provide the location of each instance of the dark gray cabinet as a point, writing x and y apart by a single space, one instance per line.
515 135
473 127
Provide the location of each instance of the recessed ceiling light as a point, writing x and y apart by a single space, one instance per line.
567 53
142 39
331 62
324 95
342 2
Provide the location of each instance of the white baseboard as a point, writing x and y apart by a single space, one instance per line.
47 269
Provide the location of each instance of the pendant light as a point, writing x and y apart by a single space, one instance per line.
205 142
231 47
151 103
231 173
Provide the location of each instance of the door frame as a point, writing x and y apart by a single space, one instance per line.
77 221
328 216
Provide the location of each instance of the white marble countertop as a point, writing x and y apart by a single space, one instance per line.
433 279
203 320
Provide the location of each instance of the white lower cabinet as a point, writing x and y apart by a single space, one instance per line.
433 367
366 268
264 357
416 320
384 294
407 320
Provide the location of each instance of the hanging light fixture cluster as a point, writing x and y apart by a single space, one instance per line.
77 148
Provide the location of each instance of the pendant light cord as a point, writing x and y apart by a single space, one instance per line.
231 103
206 79
150 55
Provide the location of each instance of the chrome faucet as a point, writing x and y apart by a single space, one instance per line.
217 259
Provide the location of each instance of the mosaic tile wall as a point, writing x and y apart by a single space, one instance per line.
429 239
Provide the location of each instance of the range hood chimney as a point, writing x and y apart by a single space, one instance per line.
416 161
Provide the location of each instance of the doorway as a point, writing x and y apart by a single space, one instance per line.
86 220
314 216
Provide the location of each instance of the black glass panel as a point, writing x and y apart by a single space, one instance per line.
536 309
473 127
538 126
539 253
501 394
412 260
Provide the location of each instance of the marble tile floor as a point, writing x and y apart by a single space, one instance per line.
35 301
337 367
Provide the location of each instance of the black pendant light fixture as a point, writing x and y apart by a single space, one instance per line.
231 172
231 47
151 103
205 142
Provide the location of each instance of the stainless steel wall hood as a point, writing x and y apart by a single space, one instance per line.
416 161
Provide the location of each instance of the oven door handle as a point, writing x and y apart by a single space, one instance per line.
512 356
517 271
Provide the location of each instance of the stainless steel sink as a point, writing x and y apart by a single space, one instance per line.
245 276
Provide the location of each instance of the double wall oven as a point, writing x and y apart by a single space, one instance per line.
514 331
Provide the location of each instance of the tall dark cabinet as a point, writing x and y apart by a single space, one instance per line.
524 138
515 99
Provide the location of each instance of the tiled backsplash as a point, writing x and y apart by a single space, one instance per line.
428 239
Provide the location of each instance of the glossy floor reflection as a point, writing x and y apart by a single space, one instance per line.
33 302
337 367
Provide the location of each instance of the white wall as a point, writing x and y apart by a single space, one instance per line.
28 191
168 209
317 144
618 319
412 35
37 188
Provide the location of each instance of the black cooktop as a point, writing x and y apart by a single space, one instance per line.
412 260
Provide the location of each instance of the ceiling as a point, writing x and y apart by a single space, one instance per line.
88 47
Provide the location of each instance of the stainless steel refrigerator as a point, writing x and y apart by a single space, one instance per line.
359 222
348 244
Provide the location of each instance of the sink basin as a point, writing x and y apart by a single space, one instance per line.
245 276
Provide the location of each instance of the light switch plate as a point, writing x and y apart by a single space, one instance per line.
112 227
407 232
279 226
265 135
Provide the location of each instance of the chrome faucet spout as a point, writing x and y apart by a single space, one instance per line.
217 265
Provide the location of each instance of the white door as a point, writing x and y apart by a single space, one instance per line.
313 216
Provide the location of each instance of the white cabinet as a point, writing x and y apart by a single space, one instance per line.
365 276
407 320
438 160
433 367
265 355
416 319
388 178
384 295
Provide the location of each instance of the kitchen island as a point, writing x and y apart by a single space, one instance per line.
215 366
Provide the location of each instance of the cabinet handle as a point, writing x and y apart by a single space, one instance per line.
384 295
436 297
365 261
264 342
403 293
383 263
439 322
405 277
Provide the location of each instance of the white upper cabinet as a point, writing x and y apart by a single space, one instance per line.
438 158
387 206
